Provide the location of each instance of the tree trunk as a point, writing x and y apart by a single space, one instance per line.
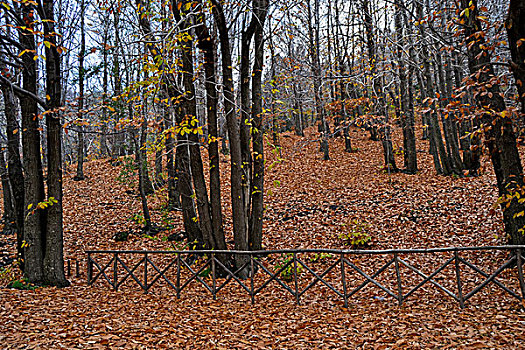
245 122
380 109
407 114
14 168
190 119
515 25
257 189
54 242
182 160
9 216
80 135
240 233
313 37
35 222
146 181
189 215
437 148
207 44
173 193
499 135
141 176
104 148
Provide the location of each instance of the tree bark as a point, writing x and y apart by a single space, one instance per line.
515 25
257 189
313 37
246 123
190 119
240 233
380 109
54 242
207 45
35 221
14 167
407 114
81 73
9 216
499 135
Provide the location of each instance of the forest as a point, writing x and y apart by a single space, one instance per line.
352 168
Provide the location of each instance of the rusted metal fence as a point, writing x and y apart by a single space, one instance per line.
341 272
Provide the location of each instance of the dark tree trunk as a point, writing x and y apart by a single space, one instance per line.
240 233
146 181
119 147
257 189
379 97
182 160
207 44
104 148
159 179
9 216
35 221
406 110
437 147
245 122
466 138
190 119
14 167
515 25
80 135
189 215
297 112
141 176
313 37
173 193
447 119
499 136
54 242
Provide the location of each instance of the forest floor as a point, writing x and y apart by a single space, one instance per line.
309 203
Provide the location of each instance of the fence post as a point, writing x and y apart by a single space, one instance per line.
519 262
252 272
295 278
145 273
458 280
89 269
343 279
115 276
398 276
214 283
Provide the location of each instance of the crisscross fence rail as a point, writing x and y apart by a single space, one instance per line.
461 273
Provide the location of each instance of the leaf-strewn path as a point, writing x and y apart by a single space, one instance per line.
310 201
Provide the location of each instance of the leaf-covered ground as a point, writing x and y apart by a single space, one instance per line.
310 203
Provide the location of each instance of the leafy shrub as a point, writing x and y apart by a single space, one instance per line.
21 284
138 219
356 233
127 171
287 273
321 256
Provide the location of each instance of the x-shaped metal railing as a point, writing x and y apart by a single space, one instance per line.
215 270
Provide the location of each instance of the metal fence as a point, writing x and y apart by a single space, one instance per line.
341 272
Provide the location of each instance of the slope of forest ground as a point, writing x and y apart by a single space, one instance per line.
310 203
